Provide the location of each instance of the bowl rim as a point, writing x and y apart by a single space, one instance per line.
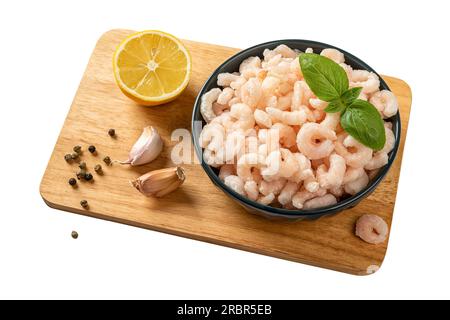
282 212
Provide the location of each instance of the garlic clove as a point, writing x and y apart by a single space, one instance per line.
146 149
160 182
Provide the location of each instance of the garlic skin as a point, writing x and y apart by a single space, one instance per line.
158 183
146 149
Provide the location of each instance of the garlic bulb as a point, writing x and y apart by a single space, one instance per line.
146 149
160 182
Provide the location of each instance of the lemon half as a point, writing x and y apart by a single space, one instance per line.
152 67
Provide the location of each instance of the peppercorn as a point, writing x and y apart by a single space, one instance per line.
84 203
82 165
81 174
77 149
98 168
72 181
68 157
112 132
74 234
88 177
91 149
107 160
74 156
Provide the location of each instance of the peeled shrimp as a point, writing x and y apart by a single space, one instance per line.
245 164
272 166
225 120
275 186
315 141
262 119
331 120
318 104
227 170
311 184
292 118
303 195
334 55
285 51
379 160
357 185
288 164
251 92
269 86
244 114
225 96
286 134
218 108
353 174
372 229
234 145
214 158
287 193
235 183
250 67
301 94
390 138
251 189
206 103
267 199
355 154
225 79
326 200
386 102
212 136
284 102
334 175
369 81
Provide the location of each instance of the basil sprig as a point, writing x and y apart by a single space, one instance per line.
329 82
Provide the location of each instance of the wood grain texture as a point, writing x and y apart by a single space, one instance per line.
197 210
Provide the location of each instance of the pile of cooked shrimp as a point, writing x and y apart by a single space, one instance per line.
273 142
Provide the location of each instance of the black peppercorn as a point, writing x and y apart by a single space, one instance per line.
72 181
74 234
77 149
98 168
84 203
88 177
74 156
81 174
68 157
112 132
107 160
82 165
91 149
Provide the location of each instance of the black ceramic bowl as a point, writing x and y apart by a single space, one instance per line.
232 65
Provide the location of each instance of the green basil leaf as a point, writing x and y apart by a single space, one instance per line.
346 99
349 96
335 106
325 77
363 122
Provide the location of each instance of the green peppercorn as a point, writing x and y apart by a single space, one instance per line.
74 234
112 132
98 168
72 181
107 160
68 157
88 177
74 156
82 165
77 149
84 203
91 149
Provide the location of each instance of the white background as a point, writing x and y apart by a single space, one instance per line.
44 48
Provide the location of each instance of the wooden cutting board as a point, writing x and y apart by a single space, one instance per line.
197 210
